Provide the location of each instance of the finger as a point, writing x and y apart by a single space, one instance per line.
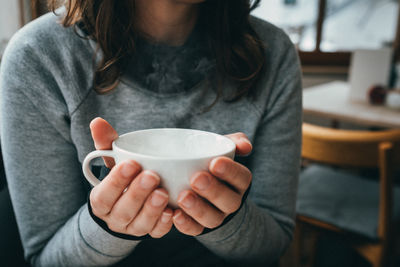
200 211
216 192
163 225
150 213
103 135
243 144
185 224
104 195
131 202
232 172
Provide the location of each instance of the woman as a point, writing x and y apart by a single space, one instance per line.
148 64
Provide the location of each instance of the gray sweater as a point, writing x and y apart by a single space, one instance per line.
47 105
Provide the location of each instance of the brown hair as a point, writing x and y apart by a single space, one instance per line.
238 51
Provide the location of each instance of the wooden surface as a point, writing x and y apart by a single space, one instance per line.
331 101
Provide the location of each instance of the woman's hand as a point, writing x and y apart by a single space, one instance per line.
215 194
128 199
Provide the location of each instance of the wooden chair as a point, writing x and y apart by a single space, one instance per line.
325 193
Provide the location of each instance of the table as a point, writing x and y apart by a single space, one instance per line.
331 101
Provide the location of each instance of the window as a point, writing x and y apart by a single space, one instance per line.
367 24
326 31
296 18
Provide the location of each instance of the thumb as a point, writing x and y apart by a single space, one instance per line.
243 145
103 135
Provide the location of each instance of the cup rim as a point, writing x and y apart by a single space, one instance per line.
232 147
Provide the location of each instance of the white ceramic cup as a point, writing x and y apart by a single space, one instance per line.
174 154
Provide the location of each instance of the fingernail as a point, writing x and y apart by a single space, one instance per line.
187 200
92 121
149 180
158 198
218 168
200 182
179 218
166 217
244 139
128 169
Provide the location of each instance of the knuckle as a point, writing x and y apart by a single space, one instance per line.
97 203
94 197
135 197
238 134
115 181
215 223
138 232
186 228
114 227
156 234
229 210
197 232
201 215
124 219
211 224
204 173
250 178
237 205
159 231
97 212
247 181
241 133
233 206
226 160
214 195
136 165
220 220
245 136
139 229
245 177
153 213
234 172
189 231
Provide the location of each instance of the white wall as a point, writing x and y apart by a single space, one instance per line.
9 18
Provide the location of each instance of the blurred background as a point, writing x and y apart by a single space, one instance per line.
325 32
349 52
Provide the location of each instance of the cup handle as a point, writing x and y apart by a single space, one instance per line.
93 180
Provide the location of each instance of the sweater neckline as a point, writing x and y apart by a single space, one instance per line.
169 70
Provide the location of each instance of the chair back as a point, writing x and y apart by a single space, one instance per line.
348 147
355 148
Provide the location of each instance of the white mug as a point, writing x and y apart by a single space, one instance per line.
174 154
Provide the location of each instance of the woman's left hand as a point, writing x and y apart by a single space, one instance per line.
215 194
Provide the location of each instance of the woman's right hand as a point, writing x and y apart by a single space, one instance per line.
128 199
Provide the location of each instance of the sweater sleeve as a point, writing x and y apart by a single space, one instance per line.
262 230
42 168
